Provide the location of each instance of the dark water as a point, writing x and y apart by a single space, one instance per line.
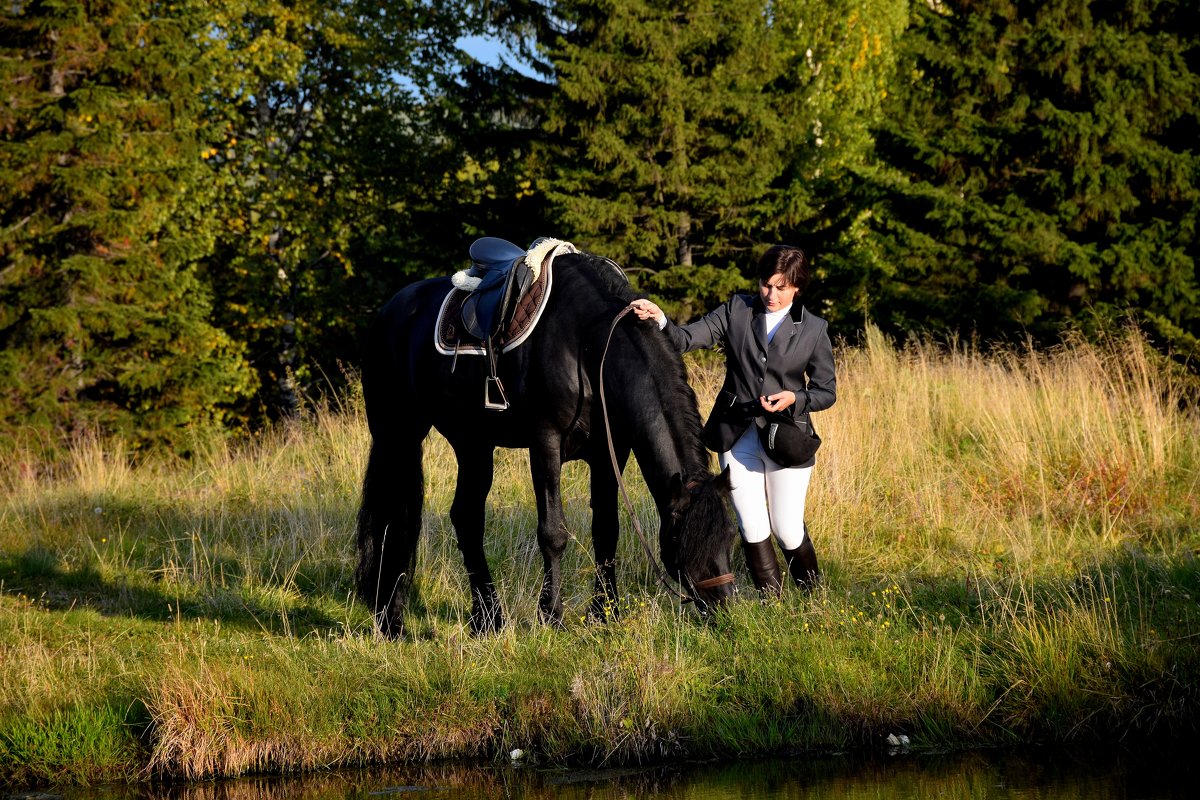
1091 773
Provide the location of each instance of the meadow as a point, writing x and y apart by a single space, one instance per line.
1009 540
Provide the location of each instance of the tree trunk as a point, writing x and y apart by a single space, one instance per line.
683 233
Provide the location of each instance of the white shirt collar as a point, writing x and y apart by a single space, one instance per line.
775 319
773 316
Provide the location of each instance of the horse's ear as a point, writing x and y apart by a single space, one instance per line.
723 483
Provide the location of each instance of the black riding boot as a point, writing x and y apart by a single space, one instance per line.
802 564
764 567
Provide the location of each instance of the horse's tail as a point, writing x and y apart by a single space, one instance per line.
393 492
389 527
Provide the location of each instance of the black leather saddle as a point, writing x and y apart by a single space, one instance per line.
504 278
497 301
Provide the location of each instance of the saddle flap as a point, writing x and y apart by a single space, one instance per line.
494 303
474 323
493 250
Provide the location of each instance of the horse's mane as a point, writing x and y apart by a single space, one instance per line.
670 376
702 533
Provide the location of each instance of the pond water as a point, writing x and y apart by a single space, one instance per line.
1048 774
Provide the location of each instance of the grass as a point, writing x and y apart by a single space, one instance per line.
1009 542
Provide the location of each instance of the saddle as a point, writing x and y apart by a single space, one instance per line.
496 303
500 275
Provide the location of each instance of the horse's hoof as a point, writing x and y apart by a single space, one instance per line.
551 618
391 629
486 623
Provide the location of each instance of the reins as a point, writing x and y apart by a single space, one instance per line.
664 579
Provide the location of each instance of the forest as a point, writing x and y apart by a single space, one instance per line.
203 202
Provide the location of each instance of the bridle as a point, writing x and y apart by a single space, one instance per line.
664 579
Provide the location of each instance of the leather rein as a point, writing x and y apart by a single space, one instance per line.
707 583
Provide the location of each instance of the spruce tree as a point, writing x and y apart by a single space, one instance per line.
688 136
103 324
1040 165
666 143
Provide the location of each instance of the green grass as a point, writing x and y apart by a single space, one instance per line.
1009 545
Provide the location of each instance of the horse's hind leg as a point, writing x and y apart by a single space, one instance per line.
389 526
467 512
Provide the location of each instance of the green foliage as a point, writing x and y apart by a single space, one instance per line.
695 134
322 152
841 62
688 292
1037 162
483 131
201 204
103 323
667 141
82 744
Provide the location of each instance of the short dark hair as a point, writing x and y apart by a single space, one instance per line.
785 260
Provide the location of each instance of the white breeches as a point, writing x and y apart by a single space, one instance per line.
766 496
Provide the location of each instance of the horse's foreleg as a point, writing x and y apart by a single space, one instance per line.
467 512
605 532
546 466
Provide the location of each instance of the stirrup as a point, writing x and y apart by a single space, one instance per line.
494 405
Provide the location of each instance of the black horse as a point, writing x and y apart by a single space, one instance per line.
551 382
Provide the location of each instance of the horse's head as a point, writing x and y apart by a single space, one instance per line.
698 538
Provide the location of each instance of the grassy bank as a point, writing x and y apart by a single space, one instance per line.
1009 542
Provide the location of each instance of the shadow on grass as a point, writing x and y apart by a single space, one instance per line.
277 564
38 575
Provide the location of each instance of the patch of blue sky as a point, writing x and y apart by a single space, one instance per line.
491 51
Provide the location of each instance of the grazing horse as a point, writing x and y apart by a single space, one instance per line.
554 410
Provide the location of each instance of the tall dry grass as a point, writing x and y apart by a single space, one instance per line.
944 457
1008 538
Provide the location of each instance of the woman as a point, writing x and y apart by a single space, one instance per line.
778 358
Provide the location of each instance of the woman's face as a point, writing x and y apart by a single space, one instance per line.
777 293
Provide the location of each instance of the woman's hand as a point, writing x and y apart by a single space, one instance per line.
647 309
778 401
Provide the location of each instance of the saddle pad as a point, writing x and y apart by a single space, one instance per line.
451 338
